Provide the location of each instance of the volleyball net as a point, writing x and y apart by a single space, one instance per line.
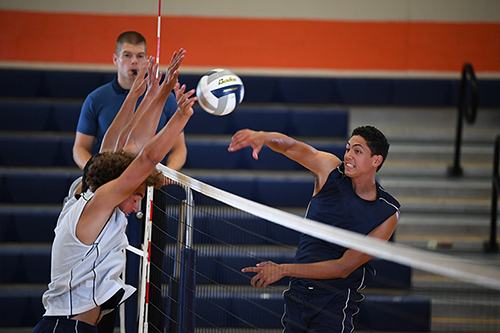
199 238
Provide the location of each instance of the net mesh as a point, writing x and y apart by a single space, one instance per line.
197 284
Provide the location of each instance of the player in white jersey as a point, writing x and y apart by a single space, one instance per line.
88 252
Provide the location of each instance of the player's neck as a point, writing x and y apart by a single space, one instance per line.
365 188
125 83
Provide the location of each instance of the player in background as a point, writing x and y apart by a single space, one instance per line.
91 227
323 295
102 105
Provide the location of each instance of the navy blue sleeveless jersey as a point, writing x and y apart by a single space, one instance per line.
337 204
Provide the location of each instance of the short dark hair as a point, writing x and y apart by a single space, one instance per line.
104 167
131 37
376 141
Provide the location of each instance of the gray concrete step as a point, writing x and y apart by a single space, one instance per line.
449 188
434 125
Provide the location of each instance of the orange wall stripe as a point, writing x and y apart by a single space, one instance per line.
255 43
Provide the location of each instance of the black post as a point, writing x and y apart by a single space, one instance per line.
492 245
463 111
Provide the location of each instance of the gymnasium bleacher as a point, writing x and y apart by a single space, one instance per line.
39 110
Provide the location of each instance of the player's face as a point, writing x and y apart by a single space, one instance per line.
358 157
130 60
131 204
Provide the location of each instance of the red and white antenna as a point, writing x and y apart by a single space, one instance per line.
158 37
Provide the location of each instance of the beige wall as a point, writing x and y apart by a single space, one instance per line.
352 10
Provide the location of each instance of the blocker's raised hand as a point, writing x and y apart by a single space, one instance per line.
185 100
154 77
172 71
139 86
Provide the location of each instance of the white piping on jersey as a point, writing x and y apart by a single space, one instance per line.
70 294
94 289
345 307
355 313
284 307
95 246
362 279
387 202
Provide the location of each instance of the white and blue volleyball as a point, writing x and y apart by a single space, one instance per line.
220 91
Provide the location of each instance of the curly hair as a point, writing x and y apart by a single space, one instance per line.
104 167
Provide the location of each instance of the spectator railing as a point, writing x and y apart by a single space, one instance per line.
468 75
492 244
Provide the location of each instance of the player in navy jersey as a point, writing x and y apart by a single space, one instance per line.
326 278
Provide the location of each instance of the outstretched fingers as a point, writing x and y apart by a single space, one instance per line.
172 72
154 76
185 101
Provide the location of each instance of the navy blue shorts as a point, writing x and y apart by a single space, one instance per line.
63 325
307 311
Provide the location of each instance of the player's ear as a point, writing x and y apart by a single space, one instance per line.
377 160
115 59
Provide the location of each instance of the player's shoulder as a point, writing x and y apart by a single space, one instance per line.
386 197
102 91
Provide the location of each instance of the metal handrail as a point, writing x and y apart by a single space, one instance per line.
492 245
468 75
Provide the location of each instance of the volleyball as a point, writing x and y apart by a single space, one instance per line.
220 91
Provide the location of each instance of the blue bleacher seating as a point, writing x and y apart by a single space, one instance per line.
36 187
38 116
395 313
424 92
266 89
25 265
264 310
24 116
21 307
22 225
365 91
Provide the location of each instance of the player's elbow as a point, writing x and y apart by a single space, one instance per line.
150 156
345 273
345 270
79 156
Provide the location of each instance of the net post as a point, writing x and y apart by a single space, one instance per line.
145 267
187 280
175 280
182 285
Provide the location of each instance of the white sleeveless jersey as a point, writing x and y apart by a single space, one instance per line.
85 276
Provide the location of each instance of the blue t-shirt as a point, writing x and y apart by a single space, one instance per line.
102 105
337 204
